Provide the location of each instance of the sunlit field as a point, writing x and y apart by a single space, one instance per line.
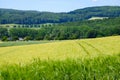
72 49
87 59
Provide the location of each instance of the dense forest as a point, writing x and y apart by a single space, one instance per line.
9 16
64 31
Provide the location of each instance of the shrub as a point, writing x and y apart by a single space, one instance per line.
4 38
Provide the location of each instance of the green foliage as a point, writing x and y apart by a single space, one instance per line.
100 68
4 38
15 38
64 31
92 33
27 38
3 32
8 16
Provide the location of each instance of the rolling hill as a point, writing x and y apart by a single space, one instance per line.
10 16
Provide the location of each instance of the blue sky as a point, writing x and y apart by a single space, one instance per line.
55 5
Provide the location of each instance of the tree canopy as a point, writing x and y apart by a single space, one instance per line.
64 31
8 16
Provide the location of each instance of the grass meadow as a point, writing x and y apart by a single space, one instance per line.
18 43
87 59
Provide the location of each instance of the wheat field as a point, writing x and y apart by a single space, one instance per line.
85 59
72 49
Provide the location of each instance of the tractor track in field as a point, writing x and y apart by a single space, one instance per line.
92 46
83 47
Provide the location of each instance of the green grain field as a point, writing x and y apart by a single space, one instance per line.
86 59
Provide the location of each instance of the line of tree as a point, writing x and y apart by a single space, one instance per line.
27 25
73 30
